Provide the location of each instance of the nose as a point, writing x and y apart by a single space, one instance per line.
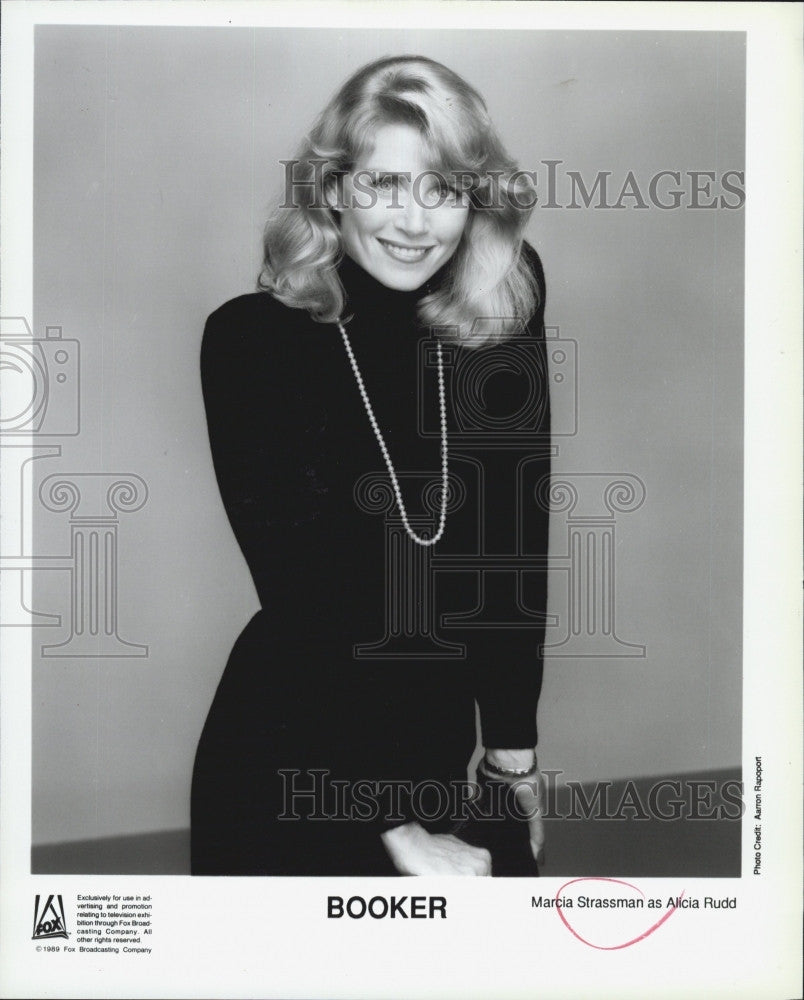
411 217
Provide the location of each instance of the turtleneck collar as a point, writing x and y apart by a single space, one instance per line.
365 294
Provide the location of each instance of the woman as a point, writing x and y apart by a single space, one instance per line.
328 747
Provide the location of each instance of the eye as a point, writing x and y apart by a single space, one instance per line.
386 183
450 194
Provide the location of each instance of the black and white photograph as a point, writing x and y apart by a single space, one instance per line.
393 489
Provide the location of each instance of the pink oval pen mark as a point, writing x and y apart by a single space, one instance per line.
611 947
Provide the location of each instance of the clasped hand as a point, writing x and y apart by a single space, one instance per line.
414 851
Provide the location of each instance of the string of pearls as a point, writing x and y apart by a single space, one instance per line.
381 441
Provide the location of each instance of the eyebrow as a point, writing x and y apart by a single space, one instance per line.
387 173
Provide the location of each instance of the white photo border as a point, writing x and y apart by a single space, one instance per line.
242 937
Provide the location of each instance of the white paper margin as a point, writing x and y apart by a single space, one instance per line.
248 937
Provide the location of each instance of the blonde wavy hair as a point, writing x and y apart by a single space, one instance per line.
487 279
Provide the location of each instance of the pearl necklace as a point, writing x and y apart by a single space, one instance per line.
381 441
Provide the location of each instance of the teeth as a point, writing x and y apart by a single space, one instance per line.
405 253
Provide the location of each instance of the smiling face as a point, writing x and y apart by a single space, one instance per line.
396 219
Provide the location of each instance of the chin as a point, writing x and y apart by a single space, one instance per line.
401 277
402 282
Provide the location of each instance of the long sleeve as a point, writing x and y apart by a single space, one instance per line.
252 406
508 661
237 422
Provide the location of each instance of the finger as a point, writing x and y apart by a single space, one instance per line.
485 859
469 866
482 866
537 837
479 861
466 858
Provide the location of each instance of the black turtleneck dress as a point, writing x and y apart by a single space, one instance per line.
364 664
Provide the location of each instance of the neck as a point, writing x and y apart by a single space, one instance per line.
364 293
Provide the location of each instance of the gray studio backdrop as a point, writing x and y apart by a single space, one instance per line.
156 158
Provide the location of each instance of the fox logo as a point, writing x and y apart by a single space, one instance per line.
49 919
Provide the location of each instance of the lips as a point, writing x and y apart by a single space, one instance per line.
404 253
